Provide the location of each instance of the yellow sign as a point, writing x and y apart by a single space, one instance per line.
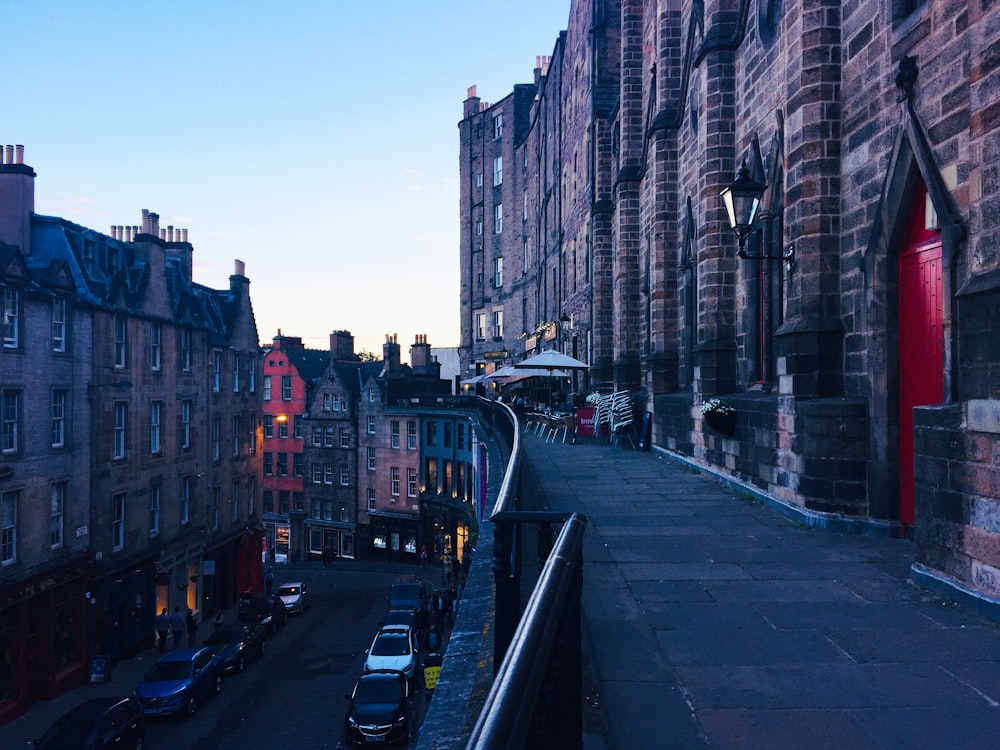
431 677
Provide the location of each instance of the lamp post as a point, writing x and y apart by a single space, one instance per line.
742 201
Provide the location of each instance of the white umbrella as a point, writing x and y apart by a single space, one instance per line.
523 373
503 372
552 360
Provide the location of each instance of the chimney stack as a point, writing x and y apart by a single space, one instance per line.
390 356
17 198
341 345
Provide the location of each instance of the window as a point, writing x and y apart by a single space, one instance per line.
432 433
57 514
371 498
267 387
89 257
480 326
58 325
8 526
327 473
268 426
336 402
185 349
11 317
317 439
237 430
185 500
328 437
394 481
155 347
121 341
252 372
901 9
344 517
497 272
524 209
317 473
297 426
186 423
411 435
371 459
498 324
252 494
154 510
479 228
155 413
268 501
268 464
447 434
59 418
479 179
371 425
524 253
284 501
234 501
371 395
286 387
216 499
327 402
216 372
498 127
345 437
252 437
411 482
497 171
498 219
345 475
236 373
283 428
298 465
282 464
118 521
11 427
216 438
394 433
121 423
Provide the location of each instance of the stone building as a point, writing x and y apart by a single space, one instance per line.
850 329
131 440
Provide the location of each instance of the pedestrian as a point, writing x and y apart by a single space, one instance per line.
269 581
162 628
192 627
177 626
448 606
447 569
433 640
220 618
423 556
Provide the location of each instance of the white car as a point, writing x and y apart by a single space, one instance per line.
295 596
394 647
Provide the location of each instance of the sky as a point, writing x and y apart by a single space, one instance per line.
316 141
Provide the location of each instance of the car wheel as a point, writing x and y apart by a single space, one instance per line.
218 685
191 707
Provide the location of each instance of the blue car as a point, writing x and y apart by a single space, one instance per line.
179 681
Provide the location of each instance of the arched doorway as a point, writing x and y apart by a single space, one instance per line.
921 334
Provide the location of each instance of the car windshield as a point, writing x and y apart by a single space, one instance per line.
223 637
391 644
400 617
406 591
169 670
68 731
289 591
378 690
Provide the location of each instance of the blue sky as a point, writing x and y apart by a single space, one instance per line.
315 141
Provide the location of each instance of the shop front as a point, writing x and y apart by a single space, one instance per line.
329 540
394 537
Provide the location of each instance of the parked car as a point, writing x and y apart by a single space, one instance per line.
179 681
378 709
237 646
268 611
97 723
394 647
407 617
295 596
408 596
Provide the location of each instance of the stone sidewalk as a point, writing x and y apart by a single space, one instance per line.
715 621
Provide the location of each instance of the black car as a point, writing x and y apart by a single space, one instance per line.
97 723
408 596
378 709
268 611
237 646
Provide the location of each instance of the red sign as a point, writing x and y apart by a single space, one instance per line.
585 421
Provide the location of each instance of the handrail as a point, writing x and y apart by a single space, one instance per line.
507 494
506 717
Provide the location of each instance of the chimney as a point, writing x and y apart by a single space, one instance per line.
17 199
341 345
390 356
471 105
287 342
239 284
420 355
184 235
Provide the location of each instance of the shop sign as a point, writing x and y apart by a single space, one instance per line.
502 354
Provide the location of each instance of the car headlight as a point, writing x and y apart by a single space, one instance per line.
399 721
352 722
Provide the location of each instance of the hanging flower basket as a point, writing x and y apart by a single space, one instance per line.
719 416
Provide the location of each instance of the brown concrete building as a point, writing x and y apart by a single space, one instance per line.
131 456
852 333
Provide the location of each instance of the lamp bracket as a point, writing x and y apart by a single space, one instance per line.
788 256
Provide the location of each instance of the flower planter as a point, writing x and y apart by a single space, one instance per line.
724 424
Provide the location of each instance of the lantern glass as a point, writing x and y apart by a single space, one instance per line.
742 201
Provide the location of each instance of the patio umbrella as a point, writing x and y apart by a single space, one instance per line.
523 373
552 360
503 372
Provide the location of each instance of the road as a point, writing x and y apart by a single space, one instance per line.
293 697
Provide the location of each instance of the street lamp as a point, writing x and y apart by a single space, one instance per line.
742 201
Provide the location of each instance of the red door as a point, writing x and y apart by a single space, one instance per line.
921 338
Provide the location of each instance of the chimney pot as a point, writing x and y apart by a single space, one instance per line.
19 154
184 235
9 159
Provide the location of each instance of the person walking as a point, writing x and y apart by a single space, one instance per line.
177 625
192 627
162 629
269 581
433 640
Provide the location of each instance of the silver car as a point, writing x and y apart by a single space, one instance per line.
295 596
